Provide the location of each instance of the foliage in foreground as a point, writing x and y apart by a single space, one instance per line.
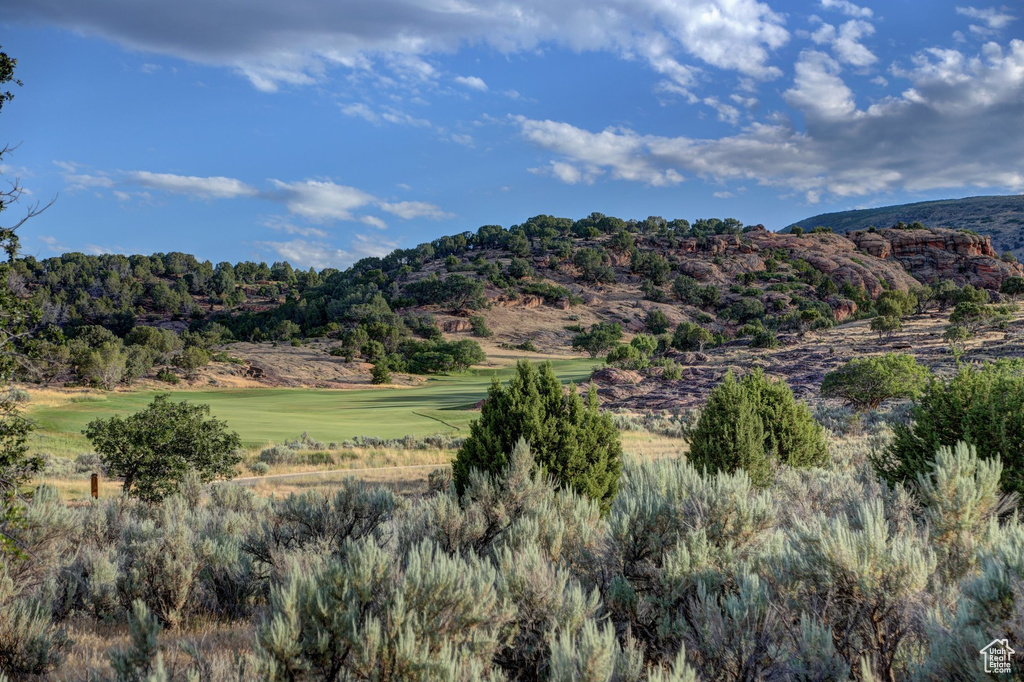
825 574
153 450
868 382
982 406
570 438
750 423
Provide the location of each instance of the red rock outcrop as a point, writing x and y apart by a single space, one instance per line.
935 254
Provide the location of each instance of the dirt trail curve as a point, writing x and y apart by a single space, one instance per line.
252 480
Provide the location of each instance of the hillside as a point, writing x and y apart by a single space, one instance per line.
114 320
999 217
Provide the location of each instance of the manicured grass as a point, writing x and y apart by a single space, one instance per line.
441 405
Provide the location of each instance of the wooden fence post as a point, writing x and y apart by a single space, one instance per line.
96 486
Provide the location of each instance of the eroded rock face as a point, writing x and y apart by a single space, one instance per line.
457 326
935 254
612 376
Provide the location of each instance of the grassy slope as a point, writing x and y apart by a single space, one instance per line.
1000 217
264 415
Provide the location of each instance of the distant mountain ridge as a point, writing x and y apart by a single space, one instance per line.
998 217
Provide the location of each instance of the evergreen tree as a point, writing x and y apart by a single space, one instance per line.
746 424
568 436
729 434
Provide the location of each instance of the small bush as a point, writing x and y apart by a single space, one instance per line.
167 376
981 406
479 326
867 382
749 423
259 468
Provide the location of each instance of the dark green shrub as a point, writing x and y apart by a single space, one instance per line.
153 450
627 356
569 437
691 337
867 382
981 406
479 326
380 374
657 322
747 424
599 339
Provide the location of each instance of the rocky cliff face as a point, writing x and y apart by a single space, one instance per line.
934 254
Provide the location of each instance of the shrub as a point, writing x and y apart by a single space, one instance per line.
154 449
380 374
627 356
867 382
764 338
1012 287
691 337
599 339
981 406
656 322
569 437
746 424
259 468
278 454
362 616
479 326
168 377
158 563
886 326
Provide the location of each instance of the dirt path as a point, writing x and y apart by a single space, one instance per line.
252 480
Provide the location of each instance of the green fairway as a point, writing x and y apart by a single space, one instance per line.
441 405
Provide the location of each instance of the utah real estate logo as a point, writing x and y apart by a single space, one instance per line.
997 656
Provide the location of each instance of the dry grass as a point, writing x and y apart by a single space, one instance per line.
224 646
646 445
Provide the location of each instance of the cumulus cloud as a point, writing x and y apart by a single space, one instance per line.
414 209
948 130
994 19
848 8
472 82
304 253
296 43
216 187
320 200
846 41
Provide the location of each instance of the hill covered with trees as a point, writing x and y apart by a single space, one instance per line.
109 320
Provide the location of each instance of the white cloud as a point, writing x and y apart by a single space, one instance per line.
216 187
948 130
366 247
86 181
568 173
817 89
373 221
472 82
414 209
296 43
304 253
847 46
848 8
282 224
994 19
320 200
620 150
723 195
845 41
360 110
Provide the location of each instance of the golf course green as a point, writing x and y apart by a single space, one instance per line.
443 404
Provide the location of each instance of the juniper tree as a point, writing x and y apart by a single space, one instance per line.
981 406
747 424
868 382
569 437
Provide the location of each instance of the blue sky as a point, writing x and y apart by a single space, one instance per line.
323 132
